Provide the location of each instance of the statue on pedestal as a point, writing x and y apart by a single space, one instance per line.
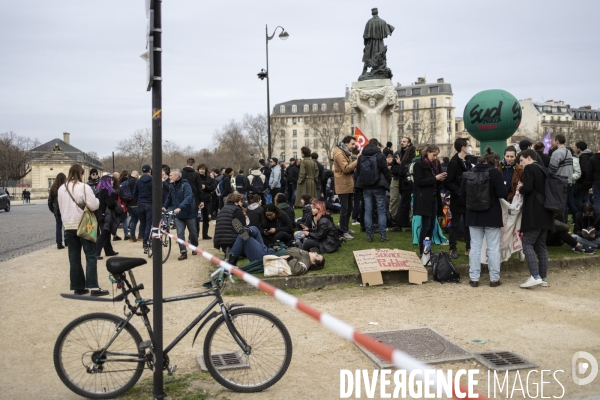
377 100
374 54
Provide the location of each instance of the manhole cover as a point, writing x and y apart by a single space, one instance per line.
503 360
225 361
424 344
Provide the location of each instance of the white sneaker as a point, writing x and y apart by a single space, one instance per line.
544 282
531 281
355 223
348 236
350 231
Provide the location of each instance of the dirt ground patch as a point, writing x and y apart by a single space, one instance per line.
544 325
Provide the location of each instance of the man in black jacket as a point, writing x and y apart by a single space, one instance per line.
584 183
374 179
292 172
142 193
206 195
193 177
456 167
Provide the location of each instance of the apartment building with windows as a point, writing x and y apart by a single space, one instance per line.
540 117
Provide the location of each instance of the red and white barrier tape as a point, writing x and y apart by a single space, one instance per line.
400 359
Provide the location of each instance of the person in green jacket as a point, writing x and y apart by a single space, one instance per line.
307 178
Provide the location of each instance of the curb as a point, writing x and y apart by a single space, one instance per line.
392 278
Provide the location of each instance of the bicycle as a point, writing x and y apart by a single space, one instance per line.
164 239
102 355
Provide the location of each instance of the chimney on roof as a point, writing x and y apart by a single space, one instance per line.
440 80
421 80
347 89
66 137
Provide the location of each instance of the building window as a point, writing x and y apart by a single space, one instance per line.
330 118
324 119
415 115
401 130
543 118
306 132
315 108
335 118
401 105
316 132
294 108
294 120
283 145
294 144
402 92
282 109
433 102
433 126
287 120
50 182
415 103
295 155
447 101
449 137
306 108
315 144
282 133
432 114
416 92
336 107
434 89
294 132
401 117
336 131
449 114
323 107
449 127
306 144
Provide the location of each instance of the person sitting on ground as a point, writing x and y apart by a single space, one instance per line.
587 226
225 234
277 226
563 235
255 211
322 233
306 218
281 203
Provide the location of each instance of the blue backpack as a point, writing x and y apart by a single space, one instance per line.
369 172
125 191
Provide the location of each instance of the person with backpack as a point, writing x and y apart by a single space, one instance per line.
405 183
54 208
307 176
428 178
374 180
257 183
561 163
241 183
482 188
457 166
536 220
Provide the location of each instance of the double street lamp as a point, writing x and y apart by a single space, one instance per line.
265 74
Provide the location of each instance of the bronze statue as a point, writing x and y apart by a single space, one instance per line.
374 54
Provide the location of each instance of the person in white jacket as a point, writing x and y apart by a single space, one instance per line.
73 196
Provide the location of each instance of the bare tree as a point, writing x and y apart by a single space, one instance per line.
256 131
420 124
137 148
588 134
15 152
233 146
329 128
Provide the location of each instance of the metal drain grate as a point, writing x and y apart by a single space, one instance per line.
225 361
424 344
503 361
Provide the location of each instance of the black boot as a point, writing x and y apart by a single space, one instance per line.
233 259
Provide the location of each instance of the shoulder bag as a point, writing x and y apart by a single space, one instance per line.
88 226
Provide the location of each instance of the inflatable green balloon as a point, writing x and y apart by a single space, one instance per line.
491 117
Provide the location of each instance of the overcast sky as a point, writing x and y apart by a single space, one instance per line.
73 65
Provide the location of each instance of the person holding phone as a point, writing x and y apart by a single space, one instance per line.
277 226
428 179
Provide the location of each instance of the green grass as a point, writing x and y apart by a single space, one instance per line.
187 386
342 261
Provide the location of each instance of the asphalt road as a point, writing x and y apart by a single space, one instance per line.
25 228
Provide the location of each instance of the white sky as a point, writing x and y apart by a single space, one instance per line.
73 65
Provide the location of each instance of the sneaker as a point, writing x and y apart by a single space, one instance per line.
354 222
384 239
347 235
579 249
206 237
183 256
240 229
126 238
98 292
495 283
350 231
145 248
116 238
60 247
531 281
590 250
453 254
369 238
473 283
544 282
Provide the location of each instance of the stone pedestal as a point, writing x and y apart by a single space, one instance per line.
375 102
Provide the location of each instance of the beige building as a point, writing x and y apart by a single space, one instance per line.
426 114
54 157
539 118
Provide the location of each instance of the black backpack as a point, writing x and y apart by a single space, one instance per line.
443 269
479 196
555 191
125 191
369 172
257 186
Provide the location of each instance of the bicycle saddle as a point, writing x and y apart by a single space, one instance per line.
117 265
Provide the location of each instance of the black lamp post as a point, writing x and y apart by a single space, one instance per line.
265 74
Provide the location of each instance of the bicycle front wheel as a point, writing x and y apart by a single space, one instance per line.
165 242
266 362
89 366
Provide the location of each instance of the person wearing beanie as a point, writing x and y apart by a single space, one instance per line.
93 179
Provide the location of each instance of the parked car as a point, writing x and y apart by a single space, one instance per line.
4 201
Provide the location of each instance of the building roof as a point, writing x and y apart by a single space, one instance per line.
425 89
70 151
585 114
301 102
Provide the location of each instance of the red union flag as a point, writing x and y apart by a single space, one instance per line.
360 138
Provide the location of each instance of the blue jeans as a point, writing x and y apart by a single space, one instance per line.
145 214
570 207
59 231
492 237
126 225
181 224
595 243
254 248
133 220
379 195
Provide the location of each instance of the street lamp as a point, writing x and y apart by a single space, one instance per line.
265 74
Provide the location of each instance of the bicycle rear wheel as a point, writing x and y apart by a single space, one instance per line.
82 369
165 242
270 354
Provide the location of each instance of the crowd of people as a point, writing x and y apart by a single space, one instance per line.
381 190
